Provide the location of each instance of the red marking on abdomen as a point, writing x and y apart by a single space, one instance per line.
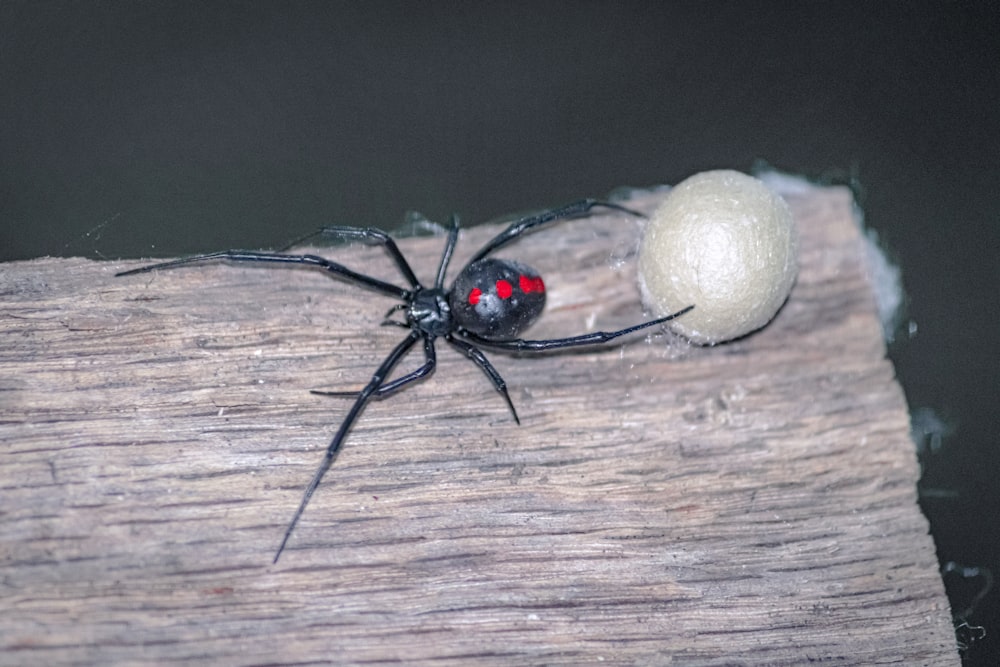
529 284
504 289
474 296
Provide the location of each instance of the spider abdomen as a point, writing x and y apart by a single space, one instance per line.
497 298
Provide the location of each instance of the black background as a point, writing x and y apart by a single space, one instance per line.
161 128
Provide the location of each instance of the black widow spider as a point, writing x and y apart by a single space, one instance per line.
490 303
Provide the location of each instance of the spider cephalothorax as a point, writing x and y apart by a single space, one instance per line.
490 303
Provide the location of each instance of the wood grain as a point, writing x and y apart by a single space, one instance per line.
747 504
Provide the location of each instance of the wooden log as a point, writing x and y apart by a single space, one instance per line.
752 503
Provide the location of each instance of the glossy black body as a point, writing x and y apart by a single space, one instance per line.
497 298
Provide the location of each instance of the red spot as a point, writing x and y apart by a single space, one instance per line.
529 284
504 289
474 296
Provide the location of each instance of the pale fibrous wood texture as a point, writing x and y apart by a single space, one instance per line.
752 503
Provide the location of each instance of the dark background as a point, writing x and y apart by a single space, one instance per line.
160 128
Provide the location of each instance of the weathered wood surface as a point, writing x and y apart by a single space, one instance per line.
748 504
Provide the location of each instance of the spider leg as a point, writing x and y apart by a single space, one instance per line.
573 341
368 235
345 426
449 248
273 257
478 358
389 387
519 227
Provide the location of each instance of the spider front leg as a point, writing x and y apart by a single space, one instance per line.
278 258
